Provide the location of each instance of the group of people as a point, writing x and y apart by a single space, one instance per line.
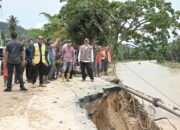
51 60
103 57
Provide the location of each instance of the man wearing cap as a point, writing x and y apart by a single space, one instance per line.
38 61
86 58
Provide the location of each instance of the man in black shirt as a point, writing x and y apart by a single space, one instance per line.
29 67
14 57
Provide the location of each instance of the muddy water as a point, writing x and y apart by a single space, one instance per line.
144 75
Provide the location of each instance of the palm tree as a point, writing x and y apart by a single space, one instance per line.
12 23
62 1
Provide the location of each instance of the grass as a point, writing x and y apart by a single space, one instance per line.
171 64
112 70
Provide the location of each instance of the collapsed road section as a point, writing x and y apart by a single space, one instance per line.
116 109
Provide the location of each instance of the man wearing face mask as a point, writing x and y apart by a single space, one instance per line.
86 58
39 61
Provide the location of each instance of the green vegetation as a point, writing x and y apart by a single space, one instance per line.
34 33
12 23
171 64
148 24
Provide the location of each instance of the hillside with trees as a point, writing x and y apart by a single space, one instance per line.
5 32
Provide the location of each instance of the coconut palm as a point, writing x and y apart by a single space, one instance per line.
12 23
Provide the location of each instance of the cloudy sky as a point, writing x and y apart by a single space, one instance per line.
27 11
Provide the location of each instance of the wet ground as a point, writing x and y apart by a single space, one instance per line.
154 80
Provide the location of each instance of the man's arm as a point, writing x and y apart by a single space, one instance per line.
92 55
23 56
6 53
62 53
56 42
79 54
73 55
33 51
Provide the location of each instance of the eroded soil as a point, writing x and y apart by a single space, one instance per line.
119 111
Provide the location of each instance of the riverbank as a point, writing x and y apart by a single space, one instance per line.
170 64
157 81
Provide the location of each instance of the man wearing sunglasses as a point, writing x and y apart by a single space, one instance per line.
39 61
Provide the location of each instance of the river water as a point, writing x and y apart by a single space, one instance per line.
157 81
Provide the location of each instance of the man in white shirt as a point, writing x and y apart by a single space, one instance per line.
86 58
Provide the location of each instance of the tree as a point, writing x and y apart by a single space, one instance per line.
143 22
83 18
34 33
173 51
12 23
55 28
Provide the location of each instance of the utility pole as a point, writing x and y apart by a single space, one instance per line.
1 10
1 40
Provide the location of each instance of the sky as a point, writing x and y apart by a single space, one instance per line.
28 11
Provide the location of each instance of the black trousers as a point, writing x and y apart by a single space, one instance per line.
38 69
29 71
46 70
18 68
16 80
104 66
98 68
58 69
86 66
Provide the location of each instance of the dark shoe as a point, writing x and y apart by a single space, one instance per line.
33 86
52 79
7 90
83 80
42 85
23 89
15 82
92 80
46 82
29 81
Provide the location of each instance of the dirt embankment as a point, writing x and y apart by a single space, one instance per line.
117 110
